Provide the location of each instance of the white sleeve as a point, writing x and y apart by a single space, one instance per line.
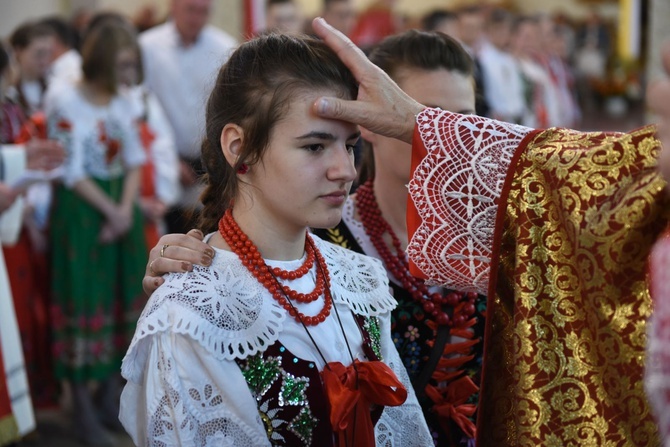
133 152
405 425
62 126
186 397
163 153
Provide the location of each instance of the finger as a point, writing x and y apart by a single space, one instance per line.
189 241
196 234
342 109
161 266
151 283
179 254
352 56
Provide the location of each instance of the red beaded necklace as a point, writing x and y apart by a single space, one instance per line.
245 249
433 303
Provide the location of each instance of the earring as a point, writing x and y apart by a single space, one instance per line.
243 169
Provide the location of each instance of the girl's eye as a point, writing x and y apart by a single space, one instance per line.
351 147
314 147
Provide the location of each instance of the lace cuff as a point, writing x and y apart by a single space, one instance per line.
455 190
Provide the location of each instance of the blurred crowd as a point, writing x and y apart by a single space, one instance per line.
123 98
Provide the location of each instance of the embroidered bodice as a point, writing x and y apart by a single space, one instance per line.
188 366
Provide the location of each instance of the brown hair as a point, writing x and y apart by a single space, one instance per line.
253 90
26 33
100 49
414 49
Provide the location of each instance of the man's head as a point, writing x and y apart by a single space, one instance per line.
340 14
283 16
190 17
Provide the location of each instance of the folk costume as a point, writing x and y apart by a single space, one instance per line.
556 226
228 355
16 410
443 359
97 290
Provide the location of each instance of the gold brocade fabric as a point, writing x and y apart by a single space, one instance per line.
565 341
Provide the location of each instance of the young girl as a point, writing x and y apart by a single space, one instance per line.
285 339
97 238
434 69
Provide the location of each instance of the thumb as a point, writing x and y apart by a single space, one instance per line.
340 109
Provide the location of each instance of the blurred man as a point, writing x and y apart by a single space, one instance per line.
283 16
340 14
181 58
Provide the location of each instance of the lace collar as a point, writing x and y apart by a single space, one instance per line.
230 314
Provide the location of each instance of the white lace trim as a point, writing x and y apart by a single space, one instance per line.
455 190
231 315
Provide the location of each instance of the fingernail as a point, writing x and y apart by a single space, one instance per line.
206 261
209 252
157 282
186 266
322 106
199 232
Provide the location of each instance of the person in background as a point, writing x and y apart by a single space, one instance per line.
95 287
377 21
32 47
501 75
340 14
283 16
159 186
470 32
180 59
441 20
65 59
16 412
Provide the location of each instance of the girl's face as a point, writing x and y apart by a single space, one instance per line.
307 170
33 61
127 67
441 88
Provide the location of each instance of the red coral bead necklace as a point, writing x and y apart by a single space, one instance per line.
251 258
434 304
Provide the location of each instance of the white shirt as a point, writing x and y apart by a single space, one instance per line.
67 67
502 83
182 78
87 131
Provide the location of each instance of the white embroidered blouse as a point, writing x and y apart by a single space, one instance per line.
184 384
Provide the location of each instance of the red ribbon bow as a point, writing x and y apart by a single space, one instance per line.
351 391
450 404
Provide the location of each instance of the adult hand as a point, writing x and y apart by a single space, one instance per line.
179 253
44 155
381 106
658 99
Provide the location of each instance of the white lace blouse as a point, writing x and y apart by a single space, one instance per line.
184 383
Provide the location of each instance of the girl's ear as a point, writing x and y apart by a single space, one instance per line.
232 136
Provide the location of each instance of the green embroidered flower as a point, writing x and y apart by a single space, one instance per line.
372 327
303 425
293 390
260 374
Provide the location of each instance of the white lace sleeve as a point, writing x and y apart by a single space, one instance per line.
188 398
403 426
455 190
